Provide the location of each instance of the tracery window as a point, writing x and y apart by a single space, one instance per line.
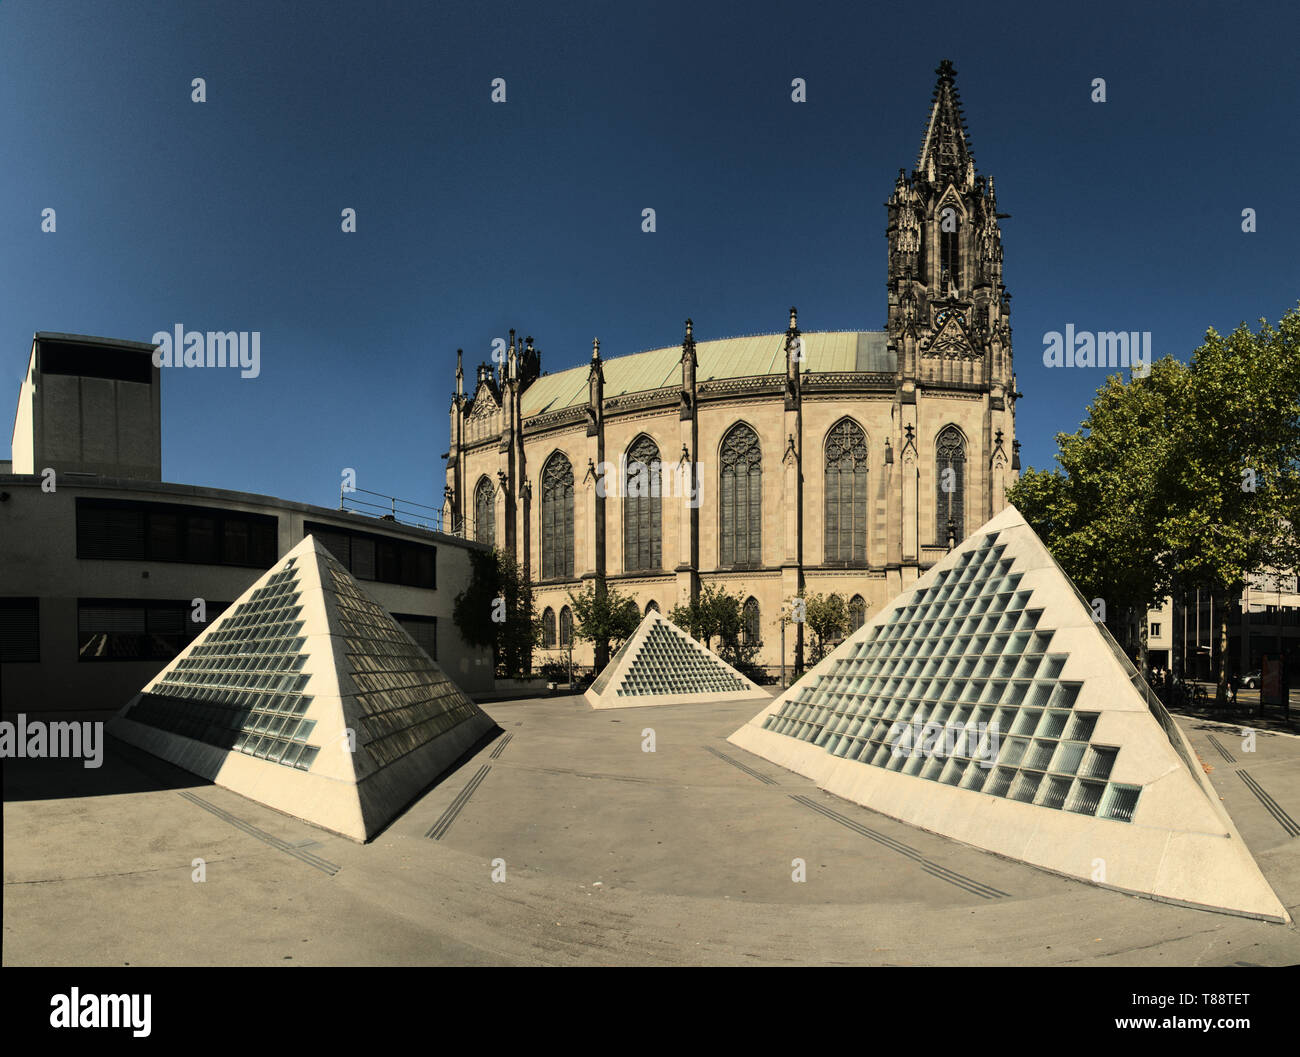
642 507
557 517
950 484
845 521
485 520
740 498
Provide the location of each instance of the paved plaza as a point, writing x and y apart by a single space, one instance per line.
610 855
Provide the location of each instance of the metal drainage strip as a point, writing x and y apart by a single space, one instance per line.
1270 805
324 865
501 745
1218 747
439 829
736 763
931 867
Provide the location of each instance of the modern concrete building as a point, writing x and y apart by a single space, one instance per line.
107 572
306 695
773 465
986 704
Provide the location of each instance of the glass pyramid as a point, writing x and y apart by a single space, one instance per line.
986 704
967 666
661 664
306 695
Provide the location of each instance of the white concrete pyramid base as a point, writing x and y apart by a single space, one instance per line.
997 627
305 666
660 664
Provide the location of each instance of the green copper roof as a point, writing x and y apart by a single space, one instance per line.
757 354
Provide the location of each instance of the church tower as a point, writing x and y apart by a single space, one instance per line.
949 313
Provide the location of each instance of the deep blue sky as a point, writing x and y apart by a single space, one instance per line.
474 217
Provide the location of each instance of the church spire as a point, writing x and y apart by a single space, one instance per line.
945 151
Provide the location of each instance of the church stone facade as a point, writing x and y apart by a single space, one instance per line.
776 465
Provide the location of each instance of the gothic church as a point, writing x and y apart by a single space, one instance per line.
779 465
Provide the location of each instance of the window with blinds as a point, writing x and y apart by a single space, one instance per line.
950 487
379 558
557 518
130 530
122 629
20 630
845 523
740 499
642 508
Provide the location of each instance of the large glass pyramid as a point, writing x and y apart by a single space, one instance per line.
660 664
308 696
985 703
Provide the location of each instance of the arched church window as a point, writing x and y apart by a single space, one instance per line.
857 613
642 508
740 498
651 607
566 627
950 484
845 521
548 628
557 517
485 514
749 622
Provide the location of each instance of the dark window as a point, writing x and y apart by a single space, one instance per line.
485 513
95 361
949 255
379 558
168 532
557 518
424 630
845 524
652 606
950 487
548 628
741 498
566 626
750 633
642 508
124 629
20 630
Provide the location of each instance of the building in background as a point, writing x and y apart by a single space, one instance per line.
775 465
107 572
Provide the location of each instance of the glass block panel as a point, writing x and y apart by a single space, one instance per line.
1082 726
1085 796
1098 762
1120 802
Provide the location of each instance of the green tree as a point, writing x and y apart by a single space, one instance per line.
827 618
1101 516
1235 488
1186 478
496 610
603 617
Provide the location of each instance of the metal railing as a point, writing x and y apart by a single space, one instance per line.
392 509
